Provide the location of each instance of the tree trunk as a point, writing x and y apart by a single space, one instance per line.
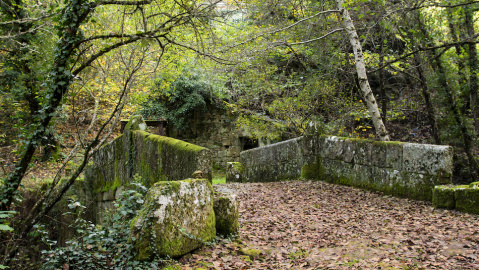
473 66
454 109
75 14
384 98
427 98
465 91
361 70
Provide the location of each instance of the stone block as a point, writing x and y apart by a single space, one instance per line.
234 172
443 197
226 214
428 159
331 147
349 150
363 152
394 155
378 154
467 199
176 218
309 145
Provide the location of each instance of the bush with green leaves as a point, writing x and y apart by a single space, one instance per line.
103 246
177 99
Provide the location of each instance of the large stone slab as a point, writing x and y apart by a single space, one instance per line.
177 217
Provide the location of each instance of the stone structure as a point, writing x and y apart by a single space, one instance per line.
275 162
464 198
227 214
149 157
216 130
176 218
234 172
396 168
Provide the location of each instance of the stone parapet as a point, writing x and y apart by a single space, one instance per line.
396 168
142 155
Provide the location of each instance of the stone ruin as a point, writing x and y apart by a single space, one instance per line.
180 214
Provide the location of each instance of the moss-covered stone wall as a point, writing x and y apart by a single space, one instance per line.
137 153
396 168
464 198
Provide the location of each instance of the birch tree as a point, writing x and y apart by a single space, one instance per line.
361 70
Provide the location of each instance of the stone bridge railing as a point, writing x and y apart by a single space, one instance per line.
396 168
150 158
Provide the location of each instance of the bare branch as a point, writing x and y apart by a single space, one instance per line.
121 3
23 21
281 29
318 38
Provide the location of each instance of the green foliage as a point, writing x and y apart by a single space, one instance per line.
4 225
103 246
176 99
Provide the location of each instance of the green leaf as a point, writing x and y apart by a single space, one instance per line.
4 227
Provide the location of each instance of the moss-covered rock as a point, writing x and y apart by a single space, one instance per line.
227 214
234 172
177 217
135 122
443 197
251 252
467 199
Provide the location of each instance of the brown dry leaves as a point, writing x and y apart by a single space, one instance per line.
316 225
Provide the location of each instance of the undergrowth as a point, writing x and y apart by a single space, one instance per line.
103 246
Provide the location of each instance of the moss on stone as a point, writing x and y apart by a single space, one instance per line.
168 222
135 122
474 185
313 170
226 214
443 197
467 200
235 172
251 252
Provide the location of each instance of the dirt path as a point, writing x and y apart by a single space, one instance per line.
315 225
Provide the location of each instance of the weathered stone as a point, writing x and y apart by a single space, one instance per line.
349 150
177 217
443 197
135 122
378 154
363 152
331 147
227 214
274 162
467 199
394 155
428 159
197 175
152 158
357 162
309 145
234 172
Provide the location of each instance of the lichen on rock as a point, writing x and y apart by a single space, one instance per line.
234 172
177 217
227 214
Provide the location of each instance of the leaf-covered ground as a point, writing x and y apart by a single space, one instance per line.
316 225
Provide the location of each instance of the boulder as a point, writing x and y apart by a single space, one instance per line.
227 214
176 218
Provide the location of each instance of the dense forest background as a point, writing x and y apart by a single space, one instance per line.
69 71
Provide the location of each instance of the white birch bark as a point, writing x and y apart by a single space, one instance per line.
361 70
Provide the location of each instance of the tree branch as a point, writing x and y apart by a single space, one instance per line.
469 40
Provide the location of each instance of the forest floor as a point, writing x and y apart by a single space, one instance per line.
317 225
